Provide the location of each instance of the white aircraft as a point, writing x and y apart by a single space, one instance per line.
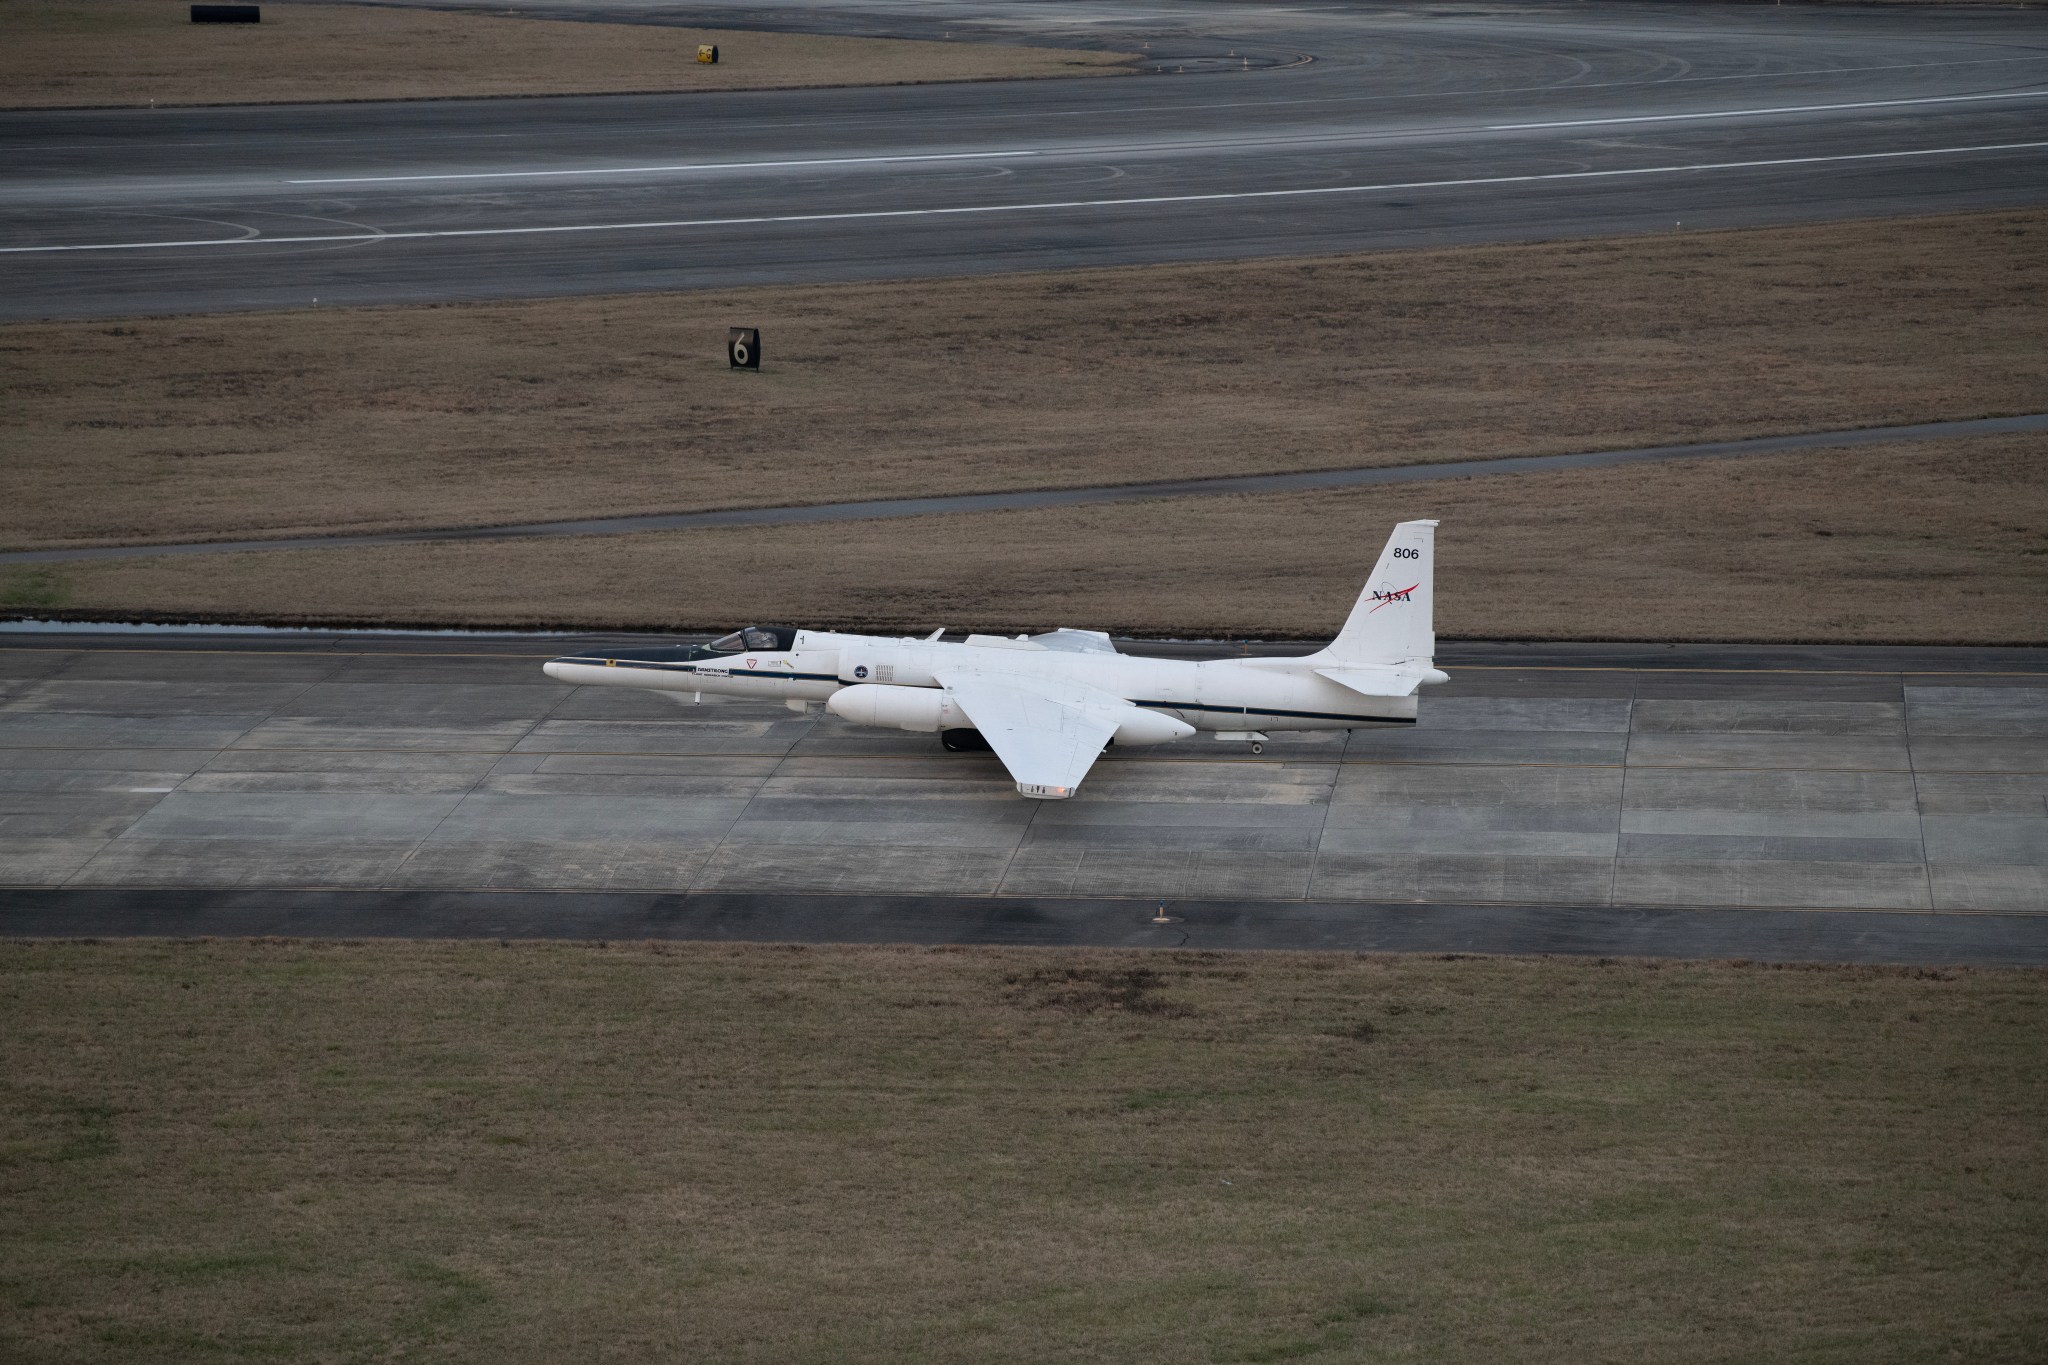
1048 705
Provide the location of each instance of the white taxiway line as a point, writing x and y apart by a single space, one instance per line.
1780 109
1144 202
645 170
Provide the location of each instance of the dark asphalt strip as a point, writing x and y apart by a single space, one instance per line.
1070 497
1753 935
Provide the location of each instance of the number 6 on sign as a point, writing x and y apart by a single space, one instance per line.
743 348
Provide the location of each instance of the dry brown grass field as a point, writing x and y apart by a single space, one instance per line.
218 1150
1944 541
157 429
56 53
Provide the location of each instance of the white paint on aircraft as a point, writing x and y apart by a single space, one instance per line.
1048 705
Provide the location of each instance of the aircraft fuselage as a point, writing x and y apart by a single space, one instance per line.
1049 705
1230 695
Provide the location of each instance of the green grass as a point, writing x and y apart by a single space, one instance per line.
36 587
226 1151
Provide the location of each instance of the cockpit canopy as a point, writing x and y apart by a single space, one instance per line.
776 638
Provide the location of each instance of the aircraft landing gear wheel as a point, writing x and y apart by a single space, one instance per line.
1258 748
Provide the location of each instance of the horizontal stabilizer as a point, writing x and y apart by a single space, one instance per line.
1383 682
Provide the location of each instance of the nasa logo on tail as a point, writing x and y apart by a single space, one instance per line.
1383 596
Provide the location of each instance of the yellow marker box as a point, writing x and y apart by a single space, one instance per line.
707 53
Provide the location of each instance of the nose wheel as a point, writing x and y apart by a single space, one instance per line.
1257 747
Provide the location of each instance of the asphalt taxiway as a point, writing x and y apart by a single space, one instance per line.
1765 802
1410 126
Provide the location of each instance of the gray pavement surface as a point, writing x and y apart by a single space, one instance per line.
1066 497
1257 130
1549 795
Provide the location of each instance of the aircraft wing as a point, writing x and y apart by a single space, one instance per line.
1048 734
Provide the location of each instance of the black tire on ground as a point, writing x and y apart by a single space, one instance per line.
963 741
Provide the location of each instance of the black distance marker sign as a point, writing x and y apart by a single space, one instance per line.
743 348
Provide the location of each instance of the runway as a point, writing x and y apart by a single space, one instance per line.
1342 127
1782 803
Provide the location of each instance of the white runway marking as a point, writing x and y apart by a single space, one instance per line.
1202 145
1780 109
1144 202
644 170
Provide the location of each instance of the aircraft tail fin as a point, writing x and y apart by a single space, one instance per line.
1393 623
